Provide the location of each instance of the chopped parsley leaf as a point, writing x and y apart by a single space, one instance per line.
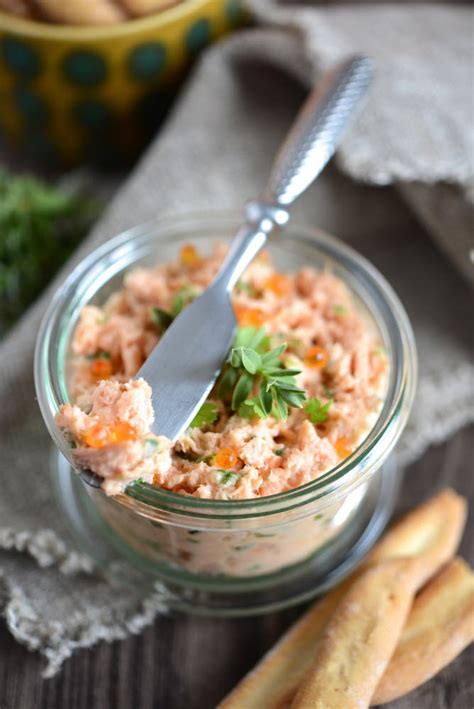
317 411
207 414
102 354
227 477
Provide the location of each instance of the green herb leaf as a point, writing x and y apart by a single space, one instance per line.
251 409
266 399
339 309
208 459
271 359
280 407
317 412
256 367
228 477
99 355
227 382
279 451
251 360
207 414
40 226
292 398
161 318
253 337
185 296
247 288
242 390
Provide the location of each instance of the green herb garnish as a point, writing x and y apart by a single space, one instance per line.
185 296
317 411
99 355
208 459
339 309
163 318
242 547
208 413
40 226
279 451
247 288
252 367
228 477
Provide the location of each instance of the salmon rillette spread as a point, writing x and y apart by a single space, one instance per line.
300 390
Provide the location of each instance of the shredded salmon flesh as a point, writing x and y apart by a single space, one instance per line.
329 337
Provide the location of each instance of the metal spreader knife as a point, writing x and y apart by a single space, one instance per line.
184 365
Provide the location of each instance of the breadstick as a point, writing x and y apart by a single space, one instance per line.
82 12
147 7
360 638
272 684
439 627
433 530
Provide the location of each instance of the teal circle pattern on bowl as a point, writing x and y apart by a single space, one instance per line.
20 58
92 114
85 68
198 36
147 60
31 106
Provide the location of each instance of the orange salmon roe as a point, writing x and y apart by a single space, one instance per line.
343 447
278 283
188 255
122 431
102 368
249 317
225 458
316 357
97 436
100 435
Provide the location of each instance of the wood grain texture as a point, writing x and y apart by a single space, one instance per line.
191 663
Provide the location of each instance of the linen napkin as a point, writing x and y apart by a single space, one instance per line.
214 153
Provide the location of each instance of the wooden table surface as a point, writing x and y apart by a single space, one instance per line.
184 662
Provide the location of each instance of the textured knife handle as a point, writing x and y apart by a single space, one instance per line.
317 130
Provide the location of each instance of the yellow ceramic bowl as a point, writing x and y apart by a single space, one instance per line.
72 93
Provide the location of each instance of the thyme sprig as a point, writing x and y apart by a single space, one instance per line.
254 368
40 226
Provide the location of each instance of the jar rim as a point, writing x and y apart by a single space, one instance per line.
385 308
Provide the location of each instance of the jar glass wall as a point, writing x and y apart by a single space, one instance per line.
237 556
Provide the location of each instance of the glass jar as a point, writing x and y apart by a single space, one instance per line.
253 555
